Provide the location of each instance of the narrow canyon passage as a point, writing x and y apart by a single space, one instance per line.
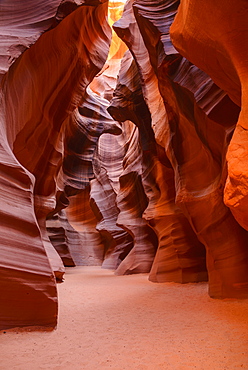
127 322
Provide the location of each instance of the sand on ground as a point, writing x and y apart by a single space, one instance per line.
128 323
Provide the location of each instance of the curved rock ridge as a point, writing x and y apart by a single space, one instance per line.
39 91
104 83
56 227
222 53
128 102
180 256
199 169
84 61
118 188
86 246
81 134
127 29
132 201
21 24
104 189
28 290
128 105
154 20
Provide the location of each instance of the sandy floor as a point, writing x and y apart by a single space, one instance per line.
127 322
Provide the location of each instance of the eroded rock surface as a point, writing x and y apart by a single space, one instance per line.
199 168
143 195
38 92
222 53
195 137
180 256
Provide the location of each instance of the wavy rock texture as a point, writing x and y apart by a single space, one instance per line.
193 117
82 133
222 53
86 246
38 93
21 24
132 201
127 29
104 190
117 168
58 237
28 291
80 137
180 256
104 83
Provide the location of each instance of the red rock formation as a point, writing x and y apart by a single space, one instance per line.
199 168
222 53
86 247
167 174
104 190
82 133
104 83
115 191
180 256
38 93
21 25
28 292
57 235
132 201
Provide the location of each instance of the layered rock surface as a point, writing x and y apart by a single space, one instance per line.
222 53
180 257
38 92
195 137
146 195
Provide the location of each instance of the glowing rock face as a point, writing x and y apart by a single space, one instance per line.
220 49
38 93
147 194
191 126
177 243
105 81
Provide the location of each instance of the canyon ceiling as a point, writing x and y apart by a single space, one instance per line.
126 149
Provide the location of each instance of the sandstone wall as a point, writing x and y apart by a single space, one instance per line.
144 172
38 92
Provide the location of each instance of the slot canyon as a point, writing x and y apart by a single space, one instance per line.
123 155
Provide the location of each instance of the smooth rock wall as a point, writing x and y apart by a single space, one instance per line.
222 52
38 92
197 157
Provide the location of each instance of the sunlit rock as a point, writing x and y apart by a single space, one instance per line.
105 81
86 243
104 190
82 132
220 50
197 143
147 189
39 91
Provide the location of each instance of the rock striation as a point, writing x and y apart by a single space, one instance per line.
143 173
180 256
38 92
195 139
222 53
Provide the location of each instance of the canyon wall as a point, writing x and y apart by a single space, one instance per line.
144 172
39 91
222 53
